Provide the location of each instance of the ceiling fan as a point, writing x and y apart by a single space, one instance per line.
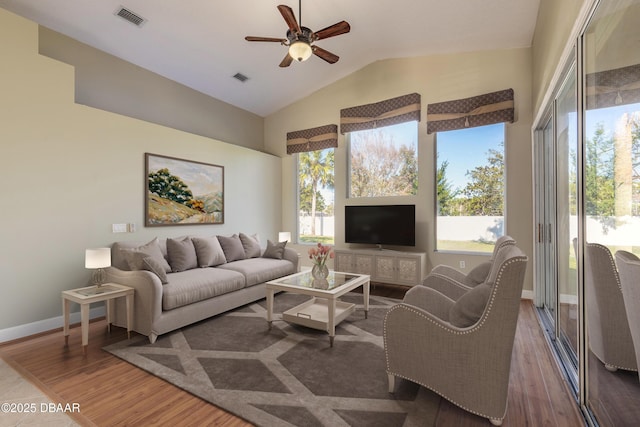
300 39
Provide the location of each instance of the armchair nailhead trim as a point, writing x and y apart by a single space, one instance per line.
447 397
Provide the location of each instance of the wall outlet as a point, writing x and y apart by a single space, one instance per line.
462 264
131 227
119 228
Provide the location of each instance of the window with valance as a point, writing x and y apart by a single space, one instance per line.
313 139
487 109
382 139
379 114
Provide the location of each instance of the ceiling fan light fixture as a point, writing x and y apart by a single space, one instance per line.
300 50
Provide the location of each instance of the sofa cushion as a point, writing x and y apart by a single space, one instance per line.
152 265
232 247
274 250
260 270
134 256
469 307
208 251
251 245
182 254
190 286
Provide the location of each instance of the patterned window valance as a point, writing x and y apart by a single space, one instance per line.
487 109
312 139
613 87
384 113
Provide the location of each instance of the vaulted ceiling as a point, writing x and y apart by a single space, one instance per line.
201 43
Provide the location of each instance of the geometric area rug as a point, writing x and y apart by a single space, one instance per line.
289 375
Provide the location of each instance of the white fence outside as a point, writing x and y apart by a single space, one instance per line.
324 225
470 228
625 231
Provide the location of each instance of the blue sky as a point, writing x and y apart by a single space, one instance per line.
467 148
608 117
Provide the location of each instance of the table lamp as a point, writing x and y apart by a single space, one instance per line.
97 259
284 236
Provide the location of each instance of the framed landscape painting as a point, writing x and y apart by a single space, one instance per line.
182 192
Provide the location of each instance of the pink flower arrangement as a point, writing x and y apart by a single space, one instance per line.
319 254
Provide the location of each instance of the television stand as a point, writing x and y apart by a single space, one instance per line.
383 265
380 248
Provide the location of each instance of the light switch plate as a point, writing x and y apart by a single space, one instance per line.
119 228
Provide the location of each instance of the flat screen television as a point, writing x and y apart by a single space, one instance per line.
380 224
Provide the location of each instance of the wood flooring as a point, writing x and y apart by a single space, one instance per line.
112 392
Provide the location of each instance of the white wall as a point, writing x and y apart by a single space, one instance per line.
69 171
436 78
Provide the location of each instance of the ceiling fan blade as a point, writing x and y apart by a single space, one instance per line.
325 54
264 39
286 61
341 27
289 18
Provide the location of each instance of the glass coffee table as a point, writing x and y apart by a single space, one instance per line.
324 310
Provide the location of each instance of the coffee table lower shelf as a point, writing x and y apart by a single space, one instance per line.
314 313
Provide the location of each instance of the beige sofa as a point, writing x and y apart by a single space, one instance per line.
179 281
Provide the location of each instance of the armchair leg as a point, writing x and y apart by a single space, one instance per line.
392 383
496 421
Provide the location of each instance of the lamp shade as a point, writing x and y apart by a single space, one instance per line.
97 258
300 50
284 236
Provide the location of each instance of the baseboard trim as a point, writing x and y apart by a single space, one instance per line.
527 294
26 330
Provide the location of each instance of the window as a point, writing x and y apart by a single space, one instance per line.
315 196
383 161
470 188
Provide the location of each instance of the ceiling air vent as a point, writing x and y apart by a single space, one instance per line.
241 77
127 15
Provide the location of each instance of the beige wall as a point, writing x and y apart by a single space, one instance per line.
436 78
70 171
554 27
111 84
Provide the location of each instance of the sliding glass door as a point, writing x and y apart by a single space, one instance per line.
612 204
587 163
557 148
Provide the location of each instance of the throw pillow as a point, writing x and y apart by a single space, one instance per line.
232 247
208 251
152 265
182 254
251 245
470 306
274 250
480 273
135 256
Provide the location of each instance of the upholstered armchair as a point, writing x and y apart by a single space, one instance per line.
454 283
629 272
607 325
460 349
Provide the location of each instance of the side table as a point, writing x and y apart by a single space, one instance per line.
90 294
